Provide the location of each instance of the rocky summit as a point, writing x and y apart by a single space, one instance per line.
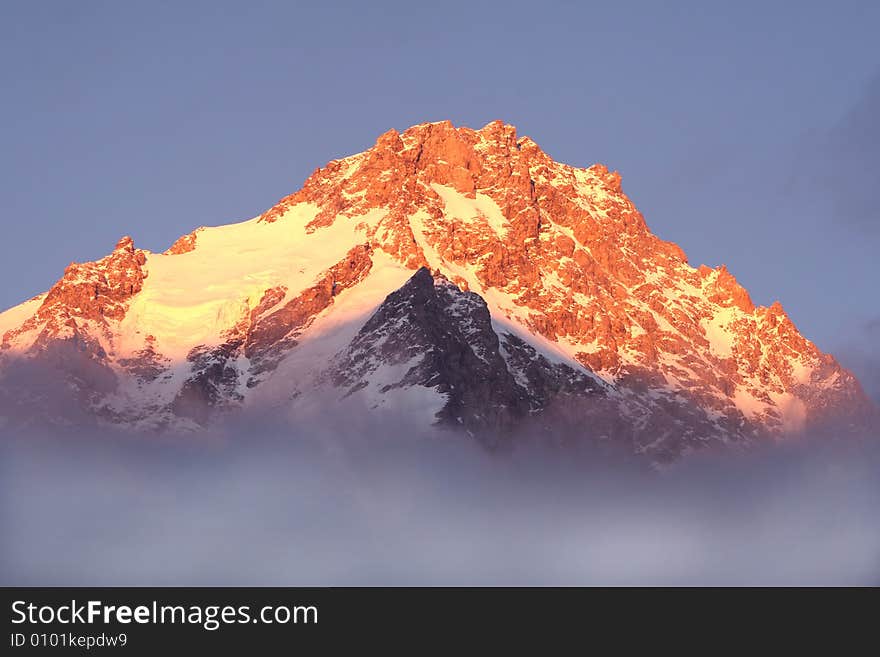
448 276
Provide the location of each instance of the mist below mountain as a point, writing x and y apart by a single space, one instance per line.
354 502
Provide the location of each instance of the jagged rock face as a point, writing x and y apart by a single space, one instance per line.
444 340
183 244
271 334
551 304
577 264
68 334
94 292
432 334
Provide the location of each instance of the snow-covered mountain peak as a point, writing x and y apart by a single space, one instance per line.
591 315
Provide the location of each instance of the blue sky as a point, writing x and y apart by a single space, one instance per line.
744 131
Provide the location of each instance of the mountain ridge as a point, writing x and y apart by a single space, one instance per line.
565 265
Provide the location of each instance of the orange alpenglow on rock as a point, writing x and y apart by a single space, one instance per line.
546 281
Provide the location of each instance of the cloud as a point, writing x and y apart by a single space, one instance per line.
368 506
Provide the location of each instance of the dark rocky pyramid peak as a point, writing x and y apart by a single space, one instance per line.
445 337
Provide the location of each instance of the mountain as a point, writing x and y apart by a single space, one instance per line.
444 276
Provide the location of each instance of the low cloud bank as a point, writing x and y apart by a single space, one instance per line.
357 503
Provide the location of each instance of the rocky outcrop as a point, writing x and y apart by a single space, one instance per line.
444 340
98 290
184 243
273 329
90 292
71 329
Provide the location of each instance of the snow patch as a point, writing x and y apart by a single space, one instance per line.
468 210
195 297
721 338
18 315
